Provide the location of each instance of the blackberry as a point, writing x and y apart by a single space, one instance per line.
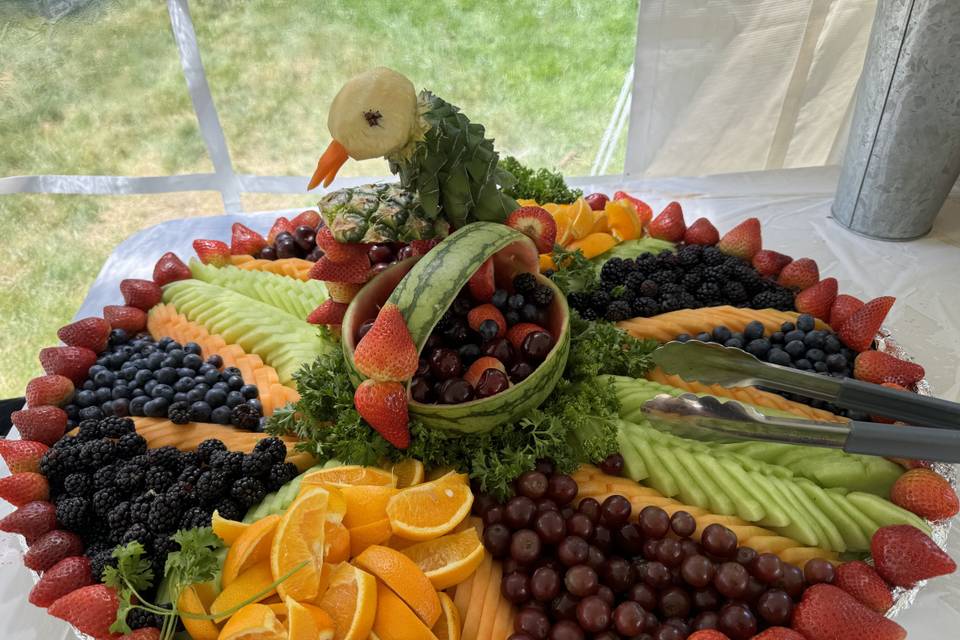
97 547
208 447
542 296
667 259
688 301
158 479
712 256
129 478
105 500
116 427
179 413
182 492
130 445
589 314
73 512
245 417
195 517
229 509
136 532
578 300
445 321
779 298
97 530
248 491
645 307
98 453
648 289
274 447
256 464
735 292
524 283
66 442
690 255
708 291
634 280
280 474
143 619
665 276
104 476
715 273
89 430
140 509
210 485
670 303
613 271
646 262
167 457
599 300
78 484
100 561
691 280
671 289
190 474
189 459
164 514
229 462
618 310
119 517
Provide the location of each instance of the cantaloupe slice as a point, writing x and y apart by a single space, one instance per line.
474 608
290 267
667 326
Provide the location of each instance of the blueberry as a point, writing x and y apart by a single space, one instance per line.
192 348
759 347
90 413
166 375
511 317
155 360
118 336
147 349
143 376
489 329
820 367
721 334
86 398
220 415
129 373
806 322
803 364
164 342
163 391
499 299
736 343
469 352
776 337
815 340
107 408
832 344
815 355
173 346
836 362
256 404
202 387
120 392
137 404
95 369
684 337
211 377
215 397
249 391
516 301
753 330
194 396
156 408
231 371
796 334
461 306
234 398
116 360
72 411
736 335
787 327
215 361
200 411
234 383
173 363
795 348
778 356
223 386
185 372
192 361
179 396
184 384
103 394
530 313
102 361
202 369
136 393
88 385
121 407
104 378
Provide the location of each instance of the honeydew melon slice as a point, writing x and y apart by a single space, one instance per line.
853 536
780 513
718 500
745 504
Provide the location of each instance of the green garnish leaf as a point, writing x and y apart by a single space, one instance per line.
541 185
574 271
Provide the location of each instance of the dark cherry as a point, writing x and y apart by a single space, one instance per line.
697 571
629 619
818 570
482 503
746 556
670 553
421 390
519 511
380 253
457 334
286 245
520 371
674 603
690 548
629 539
550 527
546 504
404 252
755 589
433 342
364 328
536 346
683 524
731 580
269 252
705 620
544 466
657 575
654 522
680 624
573 551
668 632
306 237
644 595
612 464
496 538
515 587
767 568
614 511
501 349
562 489
445 364
492 382
618 574
706 599
533 622
525 546
606 594
513 566
649 550
493 515
580 525
775 607
566 630
719 541
469 352
545 584
564 607
590 508
595 558
455 391
737 621
792 580
532 484
593 614
601 538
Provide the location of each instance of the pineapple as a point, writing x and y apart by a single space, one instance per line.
378 213
437 152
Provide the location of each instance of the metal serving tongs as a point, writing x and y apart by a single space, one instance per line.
712 363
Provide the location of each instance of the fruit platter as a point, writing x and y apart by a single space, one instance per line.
422 411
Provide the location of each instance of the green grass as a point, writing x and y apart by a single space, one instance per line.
101 92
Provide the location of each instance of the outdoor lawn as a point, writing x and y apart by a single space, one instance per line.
100 91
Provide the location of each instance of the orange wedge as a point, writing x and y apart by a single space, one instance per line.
395 620
526 202
581 219
431 509
253 622
254 580
304 620
365 503
594 244
251 547
547 263
351 474
404 577
448 560
351 600
374 533
336 542
336 503
448 626
409 472
562 216
228 530
190 602
623 221
299 539
600 222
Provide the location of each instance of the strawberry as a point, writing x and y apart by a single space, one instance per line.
829 613
244 241
596 201
387 351
925 493
743 241
22 455
329 312
818 299
777 633
862 582
282 225
170 268
521 330
384 406
479 366
32 520
41 424
843 307
421 247
212 252
669 224
481 283
644 212
142 294
702 232
69 362
51 548
878 367
356 270
64 577
89 333
308 218
144 633
342 291
53 389
339 251
799 274
859 330
708 634
130 319
483 312
91 609
770 263
537 224
24 487
904 555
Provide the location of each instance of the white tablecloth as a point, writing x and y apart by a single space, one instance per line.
794 208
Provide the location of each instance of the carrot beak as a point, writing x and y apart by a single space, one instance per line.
328 165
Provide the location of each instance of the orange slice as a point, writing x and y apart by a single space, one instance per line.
448 626
600 222
254 580
404 577
431 509
304 622
336 503
448 560
253 622
623 221
527 202
594 244
251 547
298 540
409 472
351 474
365 503
228 530
395 620
547 263
562 216
351 600
581 219
336 542
190 602
374 533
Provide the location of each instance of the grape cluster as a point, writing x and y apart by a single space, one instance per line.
589 569
301 243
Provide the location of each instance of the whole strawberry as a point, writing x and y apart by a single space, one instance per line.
770 263
862 582
743 241
799 274
669 224
142 294
387 352
702 232
280 225
384 406
829 613
339 251
41 424
878 367
708 634
51 548
342 292
354 270
843 307
69 362
53 389
904 555
32 520
130 319
308 218
860 328
22 455
818 299
21 488
146 633
170 268
89 333
537 224
778 633
66 576
329 312
481 283
244 241
212 252
925 493
91 609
